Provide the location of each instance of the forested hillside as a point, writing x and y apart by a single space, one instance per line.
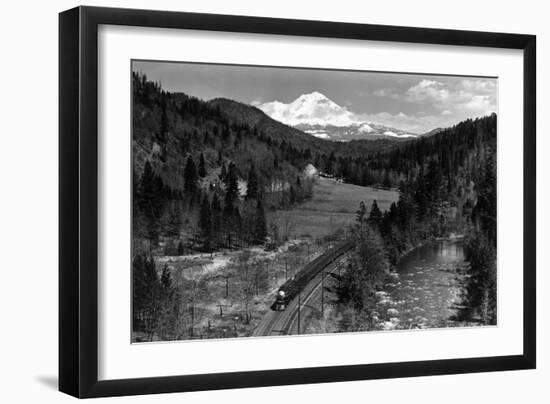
205 172
200 178
448 186
206 175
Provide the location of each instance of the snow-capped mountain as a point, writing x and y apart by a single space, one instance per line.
319 116
309 109
356 131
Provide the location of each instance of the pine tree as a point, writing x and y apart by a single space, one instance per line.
146 295
151 201
165 279
205 224
216 210
164 125
190 176
180 248
365 273
202 166
292 195
375 216
485 211
146 188
232 186
434 183
260 228
361 213
252 188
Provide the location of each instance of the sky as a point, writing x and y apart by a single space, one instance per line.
412 102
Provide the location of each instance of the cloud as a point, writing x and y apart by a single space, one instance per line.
474 97
386 92
479 103
257 102
422 123
431 103
429 91
479 85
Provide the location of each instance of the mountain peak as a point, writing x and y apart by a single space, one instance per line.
313 109
315 95
319 116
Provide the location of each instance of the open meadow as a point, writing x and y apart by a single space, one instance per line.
332 208
228 292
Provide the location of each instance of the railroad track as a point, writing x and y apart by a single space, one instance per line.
285 322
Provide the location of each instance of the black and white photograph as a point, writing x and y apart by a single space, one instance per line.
277 201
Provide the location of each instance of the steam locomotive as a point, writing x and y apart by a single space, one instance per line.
290 289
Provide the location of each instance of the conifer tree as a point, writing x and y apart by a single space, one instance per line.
146 295
205 224
216 210
165 279
151 202
361 212
375 216
190 176
232 186
260 228
252 185
180 248
146 189
202 166
292 195
163 124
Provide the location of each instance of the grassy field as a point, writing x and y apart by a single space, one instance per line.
226 293
332 208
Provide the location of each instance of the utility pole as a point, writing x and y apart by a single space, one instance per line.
286 269
307 252
221 306
339 275
323 293
192 319
299 309
227 285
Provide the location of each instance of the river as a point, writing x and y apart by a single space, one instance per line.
424 288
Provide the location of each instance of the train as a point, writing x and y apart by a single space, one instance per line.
290 289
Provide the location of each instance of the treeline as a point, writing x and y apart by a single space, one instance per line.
223 219
450 149
364 276
445 190
436 199
156 307
381 162
169 307
479 296
201 180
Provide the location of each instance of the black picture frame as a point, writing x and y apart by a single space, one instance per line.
78 201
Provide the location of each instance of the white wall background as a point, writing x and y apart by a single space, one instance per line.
28 200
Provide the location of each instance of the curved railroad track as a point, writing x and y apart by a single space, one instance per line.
286 322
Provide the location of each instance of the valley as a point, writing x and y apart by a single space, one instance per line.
234 204
331 210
